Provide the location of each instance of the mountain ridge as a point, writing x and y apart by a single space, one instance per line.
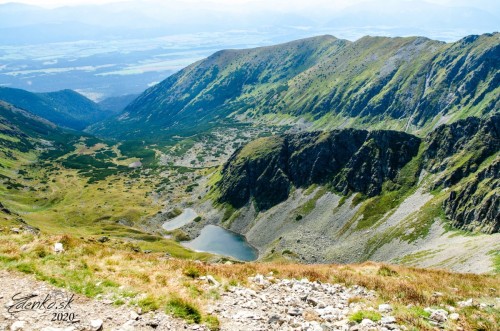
408 84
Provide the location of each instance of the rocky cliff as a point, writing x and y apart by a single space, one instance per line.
349 160
454 151
460 160
476 204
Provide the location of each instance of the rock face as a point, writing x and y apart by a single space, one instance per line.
476 205
456 150
463 157
351 160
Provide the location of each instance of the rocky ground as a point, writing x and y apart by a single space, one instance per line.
290 304
80 314
267 304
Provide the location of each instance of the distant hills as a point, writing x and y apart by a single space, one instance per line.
411 84
118 103
65 108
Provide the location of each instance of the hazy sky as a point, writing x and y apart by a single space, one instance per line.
126 46
484 4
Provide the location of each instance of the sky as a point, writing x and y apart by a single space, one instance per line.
126 46
483 4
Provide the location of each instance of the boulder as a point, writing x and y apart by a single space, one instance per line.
58 248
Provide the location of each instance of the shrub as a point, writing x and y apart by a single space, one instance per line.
212 322
180 235
192 272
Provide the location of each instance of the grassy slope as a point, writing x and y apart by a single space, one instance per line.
92 268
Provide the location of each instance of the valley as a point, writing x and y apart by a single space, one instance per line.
356 163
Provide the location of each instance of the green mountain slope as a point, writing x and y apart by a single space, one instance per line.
22 131
400 83
65 108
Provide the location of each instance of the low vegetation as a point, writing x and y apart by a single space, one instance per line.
113 269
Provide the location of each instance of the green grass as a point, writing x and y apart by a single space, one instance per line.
310 189
309 206
386 271
495 256
229 210
259 148
148 304
212 322
362 314
183 309
192 272
416 226
417 256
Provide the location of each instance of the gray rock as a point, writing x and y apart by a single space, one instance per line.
212 280
18 326
294 311
128 326
103 239
313 301
134 316
466 303
153 323
136 164
439 316
388 320
384 308
367 322
96 325
58 248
